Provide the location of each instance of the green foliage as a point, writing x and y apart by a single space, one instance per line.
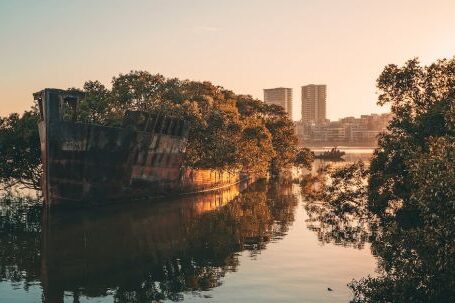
422 100
409 199
256 149
137 90
227 131
412 188
95 105
20 162
281 128
304 158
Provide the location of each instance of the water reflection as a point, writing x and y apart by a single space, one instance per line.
336 203
19 241
139 254
415 256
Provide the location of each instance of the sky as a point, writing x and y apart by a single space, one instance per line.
244 46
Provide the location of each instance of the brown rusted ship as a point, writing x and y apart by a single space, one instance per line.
86 164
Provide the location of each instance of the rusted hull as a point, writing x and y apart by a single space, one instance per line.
87 164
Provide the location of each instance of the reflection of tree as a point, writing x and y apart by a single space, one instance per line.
150 252
258 216
282 204
19 240
415 249
408 273
415 244
336 206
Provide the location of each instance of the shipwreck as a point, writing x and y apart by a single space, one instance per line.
87 164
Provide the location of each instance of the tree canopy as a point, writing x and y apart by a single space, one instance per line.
412 187
227 131
20 162
403 203
409 199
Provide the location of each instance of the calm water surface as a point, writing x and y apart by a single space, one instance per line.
251 245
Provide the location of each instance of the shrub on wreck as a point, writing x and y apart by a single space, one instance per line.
227 131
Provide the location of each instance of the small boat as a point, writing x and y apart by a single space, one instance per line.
86 164
332 155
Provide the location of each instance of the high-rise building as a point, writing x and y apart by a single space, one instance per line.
314 103
279 96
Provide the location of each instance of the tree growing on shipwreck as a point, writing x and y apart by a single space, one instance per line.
228 131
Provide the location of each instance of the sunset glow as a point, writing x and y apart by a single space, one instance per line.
244 46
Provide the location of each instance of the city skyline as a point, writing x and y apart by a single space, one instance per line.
361 131
48 44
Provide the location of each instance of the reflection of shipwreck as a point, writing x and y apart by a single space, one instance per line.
123 248
86 164
158 251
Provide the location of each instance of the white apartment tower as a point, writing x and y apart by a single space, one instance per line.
314 103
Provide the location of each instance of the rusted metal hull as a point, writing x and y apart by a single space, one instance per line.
87 164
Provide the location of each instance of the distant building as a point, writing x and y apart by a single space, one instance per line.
314 103
279 96
348 131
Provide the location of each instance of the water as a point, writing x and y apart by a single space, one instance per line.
237 245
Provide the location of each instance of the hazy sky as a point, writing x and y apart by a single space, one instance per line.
242 45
